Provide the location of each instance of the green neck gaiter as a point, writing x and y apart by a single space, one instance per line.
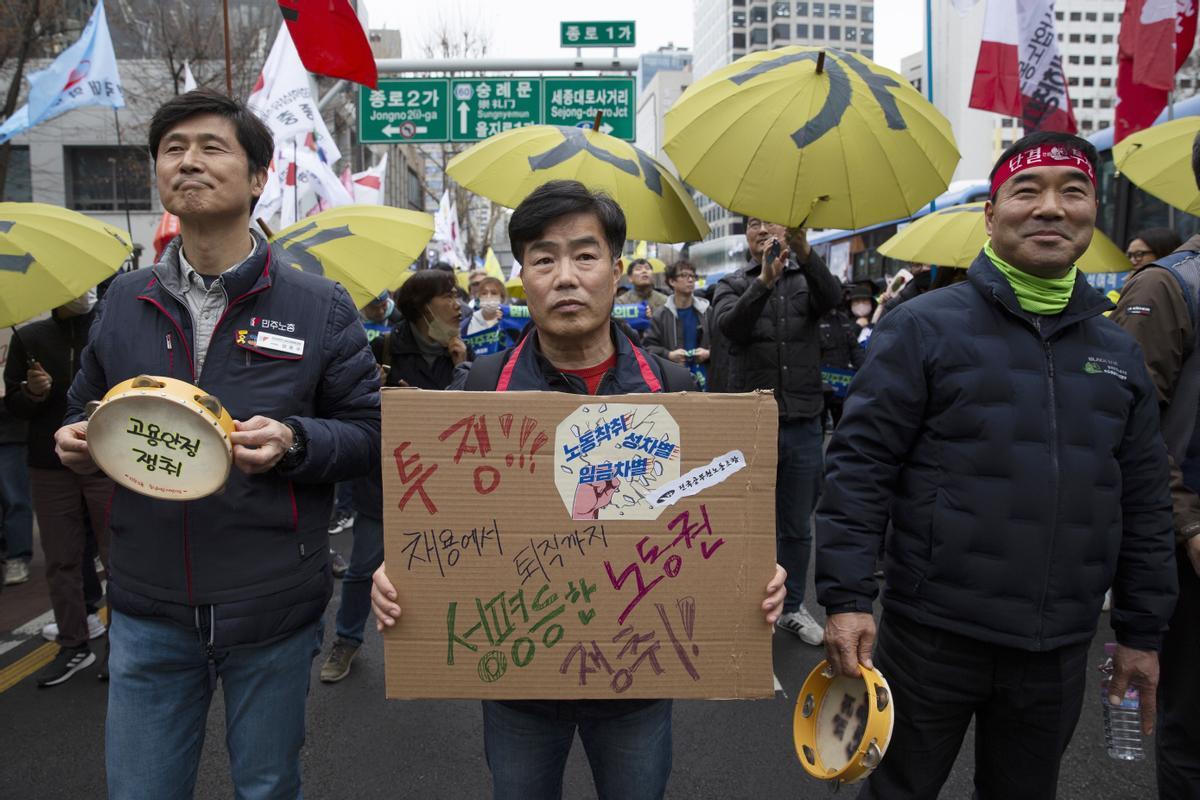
1036 295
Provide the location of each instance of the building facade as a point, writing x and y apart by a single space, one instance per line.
74 160
726 30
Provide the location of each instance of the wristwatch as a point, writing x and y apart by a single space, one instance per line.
294 454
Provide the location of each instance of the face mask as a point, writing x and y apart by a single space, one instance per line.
81 305
441 332
491 305
860 309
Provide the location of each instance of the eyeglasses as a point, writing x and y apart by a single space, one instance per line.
685 277
1138 255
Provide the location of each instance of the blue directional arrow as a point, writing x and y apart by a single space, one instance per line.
14 263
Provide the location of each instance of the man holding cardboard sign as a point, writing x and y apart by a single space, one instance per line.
568 240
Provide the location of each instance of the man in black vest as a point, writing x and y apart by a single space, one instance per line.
569 241
1158 307
230 586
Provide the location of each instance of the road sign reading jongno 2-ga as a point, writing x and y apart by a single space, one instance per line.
409 110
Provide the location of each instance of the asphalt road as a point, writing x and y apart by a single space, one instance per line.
362 746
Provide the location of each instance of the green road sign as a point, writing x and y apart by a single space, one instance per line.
597 34
575 101
400 111
483 107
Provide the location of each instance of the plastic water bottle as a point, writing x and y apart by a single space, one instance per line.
1123 723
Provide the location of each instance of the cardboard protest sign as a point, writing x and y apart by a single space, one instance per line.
554 546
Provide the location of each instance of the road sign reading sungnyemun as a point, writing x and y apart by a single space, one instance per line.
408 110
575 101
482 107
597 34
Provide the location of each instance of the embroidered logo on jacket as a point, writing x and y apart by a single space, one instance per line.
1104 366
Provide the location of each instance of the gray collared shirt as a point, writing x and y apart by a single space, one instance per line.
206 304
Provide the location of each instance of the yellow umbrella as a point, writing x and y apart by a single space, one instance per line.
515 288
366 248
1158 161
953 237
799 135
508 166
49 256
657 264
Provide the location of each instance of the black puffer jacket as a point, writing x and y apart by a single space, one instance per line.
839 341
401 353
773 332
56 344
1020 462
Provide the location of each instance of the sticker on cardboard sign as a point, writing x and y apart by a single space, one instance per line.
717 471
282 344
611 459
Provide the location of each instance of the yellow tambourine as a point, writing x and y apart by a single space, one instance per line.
161 437
842 726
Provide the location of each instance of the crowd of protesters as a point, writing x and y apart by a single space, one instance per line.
1011 444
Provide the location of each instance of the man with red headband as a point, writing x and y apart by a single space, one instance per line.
1009 432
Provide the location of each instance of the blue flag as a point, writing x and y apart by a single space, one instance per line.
85 74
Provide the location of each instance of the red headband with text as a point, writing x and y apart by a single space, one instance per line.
1056 155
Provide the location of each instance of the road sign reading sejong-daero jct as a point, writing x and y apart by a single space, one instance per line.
423 110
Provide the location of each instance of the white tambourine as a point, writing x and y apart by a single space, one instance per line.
842 726
161 437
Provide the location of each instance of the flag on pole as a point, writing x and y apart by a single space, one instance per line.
1019 72
367 186
491 265
85 74
296 172
1156 38
640 250
284 99
189 80
446 232
331 40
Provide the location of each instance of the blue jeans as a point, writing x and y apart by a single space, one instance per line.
797 483
16 507
630 753
158 696
365 558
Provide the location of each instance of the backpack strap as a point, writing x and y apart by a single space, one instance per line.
485 372
1170 264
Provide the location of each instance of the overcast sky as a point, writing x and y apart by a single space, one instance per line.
530 27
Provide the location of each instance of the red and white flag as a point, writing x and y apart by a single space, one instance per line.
1156 38
368 185
1019 72
330 39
